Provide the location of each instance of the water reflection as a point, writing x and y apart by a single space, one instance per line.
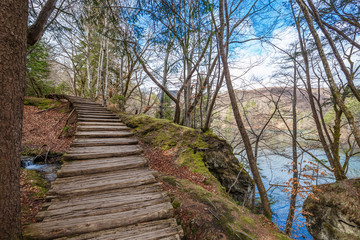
275 171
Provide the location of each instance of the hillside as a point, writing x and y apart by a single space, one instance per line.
199 172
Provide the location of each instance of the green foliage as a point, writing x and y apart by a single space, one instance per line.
63 88
38 71
352 104
116 99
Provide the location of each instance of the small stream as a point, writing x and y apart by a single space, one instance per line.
47 170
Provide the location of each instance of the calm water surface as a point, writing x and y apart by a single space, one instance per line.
274 169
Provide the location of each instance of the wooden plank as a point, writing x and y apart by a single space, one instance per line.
97 120
83 153
102 128
101 207
98 110
74 226
93 186
87 142
101 123
102 113
133 231
101 165
90 107
104 149
98 116
103 134
79 199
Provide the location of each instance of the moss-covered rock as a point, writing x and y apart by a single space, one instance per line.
203 153
333 212
207 215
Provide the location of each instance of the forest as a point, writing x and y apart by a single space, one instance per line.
278 80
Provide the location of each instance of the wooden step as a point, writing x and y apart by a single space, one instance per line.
95 183
102 128
96 113
101 123
101 165
103 134
84 153
75 226
87 104
90 142
102 206
97 120
88 107
98 116
154 230
62 202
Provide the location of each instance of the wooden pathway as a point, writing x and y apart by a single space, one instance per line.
104 189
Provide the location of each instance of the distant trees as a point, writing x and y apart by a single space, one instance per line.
38 71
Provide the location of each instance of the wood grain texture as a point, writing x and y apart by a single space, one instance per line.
104 189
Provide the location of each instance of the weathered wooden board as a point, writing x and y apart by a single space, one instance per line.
83 119
103 182
101 113
136 232
103 134
83 153
88 142
101 123
98 116
74 226
101 207
101 165
102 128
60 202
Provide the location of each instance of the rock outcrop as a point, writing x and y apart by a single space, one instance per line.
203 153
333 212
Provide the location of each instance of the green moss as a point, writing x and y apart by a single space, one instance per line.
37 181
231 218
176 203
194 161
169 179
41 103
32 152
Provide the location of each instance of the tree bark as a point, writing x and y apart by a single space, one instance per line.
294 189
249 152
13 25
348 75
37 29
334 89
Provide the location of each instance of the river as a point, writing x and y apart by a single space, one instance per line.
274 169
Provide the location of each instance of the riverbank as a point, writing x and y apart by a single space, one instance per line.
48 128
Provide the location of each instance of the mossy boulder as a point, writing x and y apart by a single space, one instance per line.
208 215
203 153
333 212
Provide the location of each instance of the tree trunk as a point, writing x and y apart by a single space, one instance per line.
238 119
294 189
101 59
330 158
164 80
88 59
36 30
348 75
334 89
13 25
